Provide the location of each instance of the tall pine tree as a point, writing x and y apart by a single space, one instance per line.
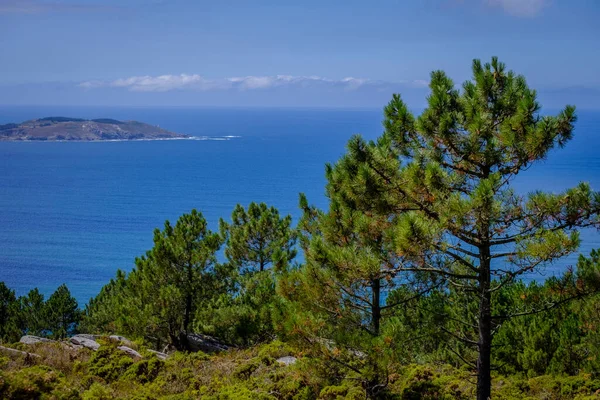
33 313
172 280
256 235
62 313
442 181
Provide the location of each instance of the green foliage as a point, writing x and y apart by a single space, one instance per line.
102 312
144 371
61 313
245 316
9 315
249 374
30 315
109 364
97 392
179 286
34 313
37 382
257 237
341 392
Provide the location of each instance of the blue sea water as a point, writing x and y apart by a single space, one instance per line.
75 212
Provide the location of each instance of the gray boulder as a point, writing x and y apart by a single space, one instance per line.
130 351
30 339
159 355
121 339
88 336
287 360
85 341
14 352
207 344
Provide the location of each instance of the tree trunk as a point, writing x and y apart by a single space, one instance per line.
484 366
375 305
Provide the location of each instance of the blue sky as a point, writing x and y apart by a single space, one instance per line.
284 53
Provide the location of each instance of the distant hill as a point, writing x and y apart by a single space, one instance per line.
64 128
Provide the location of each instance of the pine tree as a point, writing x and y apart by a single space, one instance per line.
255 235
456 163
62 313
9 315
351 271
257 241
33 313
443 181
173 280
108 311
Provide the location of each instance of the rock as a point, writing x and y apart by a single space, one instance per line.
159 355
88 336
30 339
331 346
130 351
85 341
121 339
14 352
287 360
71 346
207 344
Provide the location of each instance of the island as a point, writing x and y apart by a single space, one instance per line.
76 129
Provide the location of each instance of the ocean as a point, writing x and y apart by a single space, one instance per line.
75 212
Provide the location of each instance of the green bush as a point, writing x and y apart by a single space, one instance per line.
144 371
97 392
37 382
245 370
109 363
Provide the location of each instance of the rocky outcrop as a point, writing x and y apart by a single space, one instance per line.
30 339
86 341
130 351
205 343
88 336
121 339
14 352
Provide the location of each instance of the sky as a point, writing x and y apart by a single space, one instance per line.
303 53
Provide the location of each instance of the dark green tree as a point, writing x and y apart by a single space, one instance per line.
255 235
33 313
107 312
9 315
562 340
345 311
256 240
173 279
62 313
444 181
243 316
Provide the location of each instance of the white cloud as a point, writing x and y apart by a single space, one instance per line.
160 83
164 83
519 8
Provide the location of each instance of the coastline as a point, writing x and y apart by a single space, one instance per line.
197 138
